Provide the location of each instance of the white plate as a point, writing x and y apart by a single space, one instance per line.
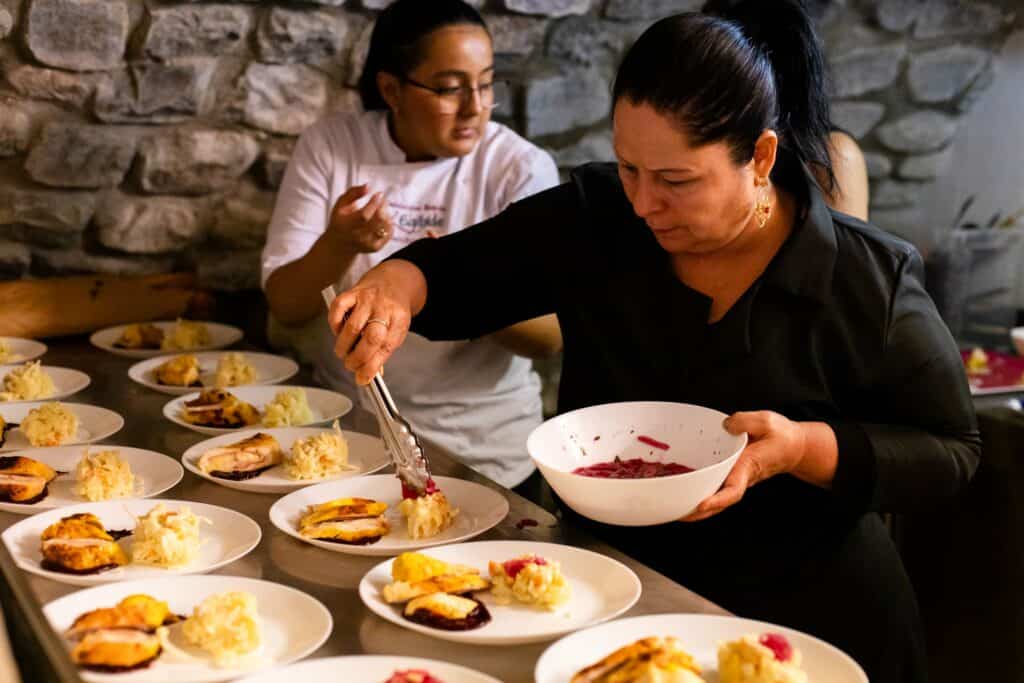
270 369
94 423
368 669
65 380
326 406
23 349
602 589
365 453
154 471
480 508
221 336
230 536
699 635
292 625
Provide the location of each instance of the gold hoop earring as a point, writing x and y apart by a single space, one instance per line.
763 207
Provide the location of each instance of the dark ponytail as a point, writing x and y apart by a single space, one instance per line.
396 44
736 69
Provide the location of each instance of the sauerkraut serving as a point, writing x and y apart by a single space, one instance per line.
234 370
104 475
290 408
428 515
51 424
318 456
167 538
226 625
27 383
186 335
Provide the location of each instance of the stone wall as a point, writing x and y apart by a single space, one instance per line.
141 137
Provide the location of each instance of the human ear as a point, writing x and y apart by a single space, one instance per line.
765 151
389 86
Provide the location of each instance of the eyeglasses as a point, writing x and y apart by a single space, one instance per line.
493 95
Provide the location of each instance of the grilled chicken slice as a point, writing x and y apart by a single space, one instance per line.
447 612
181 371
342 509
115 650
242 460
413 567
219 408
140 336
402 591
24 480
648 659
358 531
135 611
4 428
80 545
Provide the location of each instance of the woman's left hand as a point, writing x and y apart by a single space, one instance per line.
777 445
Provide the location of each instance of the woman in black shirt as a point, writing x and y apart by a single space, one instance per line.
706 268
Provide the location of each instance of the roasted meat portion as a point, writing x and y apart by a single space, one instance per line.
219 408
140 336
648 659
447 612
24 480
243 460
180 371
80 545
356 521
120 638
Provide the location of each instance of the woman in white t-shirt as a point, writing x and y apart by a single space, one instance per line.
423 161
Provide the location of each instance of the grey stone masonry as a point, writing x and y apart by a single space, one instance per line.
79 35
142 135
194 161
78 155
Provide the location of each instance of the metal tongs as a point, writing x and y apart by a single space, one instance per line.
406 453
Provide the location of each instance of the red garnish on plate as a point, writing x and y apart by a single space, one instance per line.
513 567
412 676
412 493
653 442
525 522
632 469
778 644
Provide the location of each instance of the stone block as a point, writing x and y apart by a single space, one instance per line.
50 84
515 34
6 23
587 41
149 225
957 18
977 87
921 131
895 194
52 262
940 75
284 99
898 15
596 146
878 165
548 8
866 70
78 155
78 35
203 30
229 271
357 54
45 216
558 101
154 92
15 129
288 36
908 223
194 161
628 10
857 118
926 166
241 218
15 260
272 165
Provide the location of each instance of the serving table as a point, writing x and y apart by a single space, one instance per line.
330 577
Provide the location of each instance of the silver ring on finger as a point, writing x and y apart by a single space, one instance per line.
381 233
379 321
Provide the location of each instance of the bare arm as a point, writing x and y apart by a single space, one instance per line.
850 194
536 338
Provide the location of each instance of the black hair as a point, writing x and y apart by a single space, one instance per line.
729 73
396 44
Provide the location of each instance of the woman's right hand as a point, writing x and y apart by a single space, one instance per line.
372 319
365 230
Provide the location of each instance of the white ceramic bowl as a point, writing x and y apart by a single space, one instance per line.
588 436
1017 335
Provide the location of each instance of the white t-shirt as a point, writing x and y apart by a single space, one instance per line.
474 398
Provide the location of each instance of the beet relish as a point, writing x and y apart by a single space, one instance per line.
778 644
513 567
632 469
408 492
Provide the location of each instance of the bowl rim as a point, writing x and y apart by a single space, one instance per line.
743 437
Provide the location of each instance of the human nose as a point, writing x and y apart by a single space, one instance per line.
471 101
645 202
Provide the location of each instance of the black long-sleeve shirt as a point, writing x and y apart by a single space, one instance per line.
837 329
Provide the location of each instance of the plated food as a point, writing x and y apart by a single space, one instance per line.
284 459
146 340
43 424
119 540
19 350
692 648
32 381
368 515
374 669
183 374
198 621
218 411
446 592
83 474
